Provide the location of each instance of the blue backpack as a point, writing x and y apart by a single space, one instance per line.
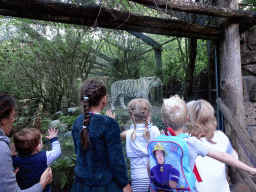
169 165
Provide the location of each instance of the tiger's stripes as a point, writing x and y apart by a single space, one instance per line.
138 88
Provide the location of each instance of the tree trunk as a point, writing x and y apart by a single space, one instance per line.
192 47
231 80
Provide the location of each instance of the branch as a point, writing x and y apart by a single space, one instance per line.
240 134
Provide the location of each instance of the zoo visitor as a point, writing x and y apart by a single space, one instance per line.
100 163
31 160
8 181
202 124
174 115
139 135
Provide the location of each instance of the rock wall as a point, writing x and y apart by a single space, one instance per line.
248 59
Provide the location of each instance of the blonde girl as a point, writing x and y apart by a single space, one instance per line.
141 132
202 124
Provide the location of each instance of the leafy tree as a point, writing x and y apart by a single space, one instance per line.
51 65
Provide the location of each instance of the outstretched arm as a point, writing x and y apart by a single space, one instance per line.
123 135
56 150
230 160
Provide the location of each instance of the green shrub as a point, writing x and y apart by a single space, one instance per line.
122 117
63 173
68 119
63 167
77 112
157 121
45 124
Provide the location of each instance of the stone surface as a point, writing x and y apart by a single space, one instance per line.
249 70
248 58
68 134
246 96
63 127
253 92
250 113
248 41
252 132
249 88
55 123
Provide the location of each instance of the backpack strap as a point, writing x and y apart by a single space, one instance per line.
198 177
168 131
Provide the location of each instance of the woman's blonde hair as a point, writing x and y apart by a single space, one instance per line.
139 110
201 119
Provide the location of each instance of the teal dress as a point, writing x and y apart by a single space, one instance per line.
102 167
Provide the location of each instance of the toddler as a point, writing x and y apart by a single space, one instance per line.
31 161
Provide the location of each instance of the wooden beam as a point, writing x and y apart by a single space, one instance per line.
241 135
246 19
106 18
197 8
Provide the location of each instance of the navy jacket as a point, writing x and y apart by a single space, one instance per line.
7 176
104 161
30 169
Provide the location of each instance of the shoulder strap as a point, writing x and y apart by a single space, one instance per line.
168 131
195 171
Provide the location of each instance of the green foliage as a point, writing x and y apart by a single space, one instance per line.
157 121
45 124
68 119
77 112
64 163
63 171
122 117
249 5
63 167
52 61
63 181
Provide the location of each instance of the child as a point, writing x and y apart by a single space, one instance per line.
141 132
174 114
31 161
100 164
202 124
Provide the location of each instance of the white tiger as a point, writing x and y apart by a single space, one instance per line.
138 88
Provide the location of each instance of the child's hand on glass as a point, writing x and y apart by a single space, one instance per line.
110 114
52 133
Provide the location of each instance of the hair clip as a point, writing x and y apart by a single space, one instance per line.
85 98
84 127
